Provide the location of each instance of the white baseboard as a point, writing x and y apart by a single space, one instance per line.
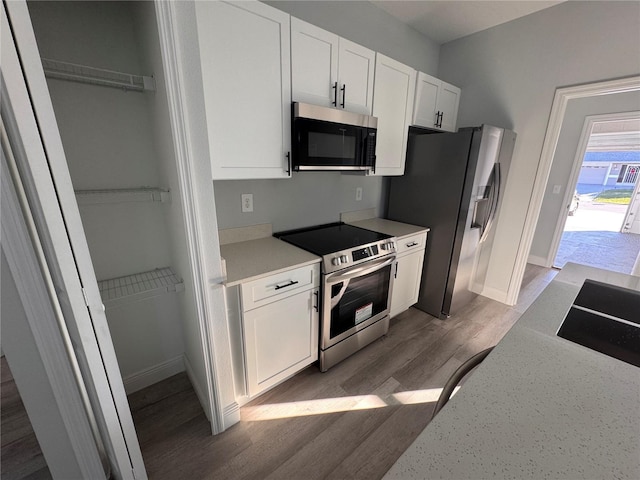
231 415
155 374
495 294
536 260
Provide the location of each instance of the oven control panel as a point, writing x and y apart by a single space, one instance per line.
364 253
347 258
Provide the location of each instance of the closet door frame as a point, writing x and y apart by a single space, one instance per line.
48 188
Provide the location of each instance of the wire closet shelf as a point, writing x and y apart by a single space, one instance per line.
96 76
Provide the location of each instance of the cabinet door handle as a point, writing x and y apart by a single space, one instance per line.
440 122
291 282
437 119
395 275
344 94
335 94
288 164
412 244
317 305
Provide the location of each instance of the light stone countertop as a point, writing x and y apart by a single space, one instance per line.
389 227
539 406
262 257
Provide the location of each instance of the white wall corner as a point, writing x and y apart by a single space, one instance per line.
200 393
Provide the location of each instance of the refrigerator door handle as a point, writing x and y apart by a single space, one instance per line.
495 198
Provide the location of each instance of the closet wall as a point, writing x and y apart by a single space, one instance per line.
110 144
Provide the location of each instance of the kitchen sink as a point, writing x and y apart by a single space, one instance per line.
605 318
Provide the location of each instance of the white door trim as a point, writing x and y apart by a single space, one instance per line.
632 207
589 121
176 96
560 101
48 186
37 349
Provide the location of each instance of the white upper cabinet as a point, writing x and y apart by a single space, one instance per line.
314 64
245 58
356 65
330 71
436 104
393 97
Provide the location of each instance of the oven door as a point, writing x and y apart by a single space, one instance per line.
355 298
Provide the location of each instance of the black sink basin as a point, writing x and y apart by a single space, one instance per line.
605 318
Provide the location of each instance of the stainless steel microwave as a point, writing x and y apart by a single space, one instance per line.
330 139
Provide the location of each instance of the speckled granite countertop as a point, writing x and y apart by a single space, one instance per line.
539 406
389 227
259 258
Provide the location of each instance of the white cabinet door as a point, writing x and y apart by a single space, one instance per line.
314 64
406 285
448 102
393 94
355 77
424 110
436 104
330 71
281 338
245 60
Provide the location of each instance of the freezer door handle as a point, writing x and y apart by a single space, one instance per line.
495 198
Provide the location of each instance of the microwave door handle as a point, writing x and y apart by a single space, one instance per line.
358 271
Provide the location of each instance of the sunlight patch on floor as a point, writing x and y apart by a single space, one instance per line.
338 404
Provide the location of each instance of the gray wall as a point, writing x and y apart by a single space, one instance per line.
508 75
368 25
314 198
110 141
105 131
577 110
308 198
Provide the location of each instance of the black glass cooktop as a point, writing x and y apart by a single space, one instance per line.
330 238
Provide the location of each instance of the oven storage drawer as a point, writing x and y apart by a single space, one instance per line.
281 285
411 243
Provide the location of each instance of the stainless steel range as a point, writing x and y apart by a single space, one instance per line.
358 268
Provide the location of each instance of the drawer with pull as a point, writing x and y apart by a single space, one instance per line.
411 243
274 287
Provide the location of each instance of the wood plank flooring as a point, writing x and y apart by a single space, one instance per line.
21 457
347 423
351 422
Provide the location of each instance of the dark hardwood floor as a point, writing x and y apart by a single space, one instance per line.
351 422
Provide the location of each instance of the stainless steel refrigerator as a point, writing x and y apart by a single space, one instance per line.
453 184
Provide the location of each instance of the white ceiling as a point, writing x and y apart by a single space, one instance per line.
444 21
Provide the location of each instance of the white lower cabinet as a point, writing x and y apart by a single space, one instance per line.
279 328
406 285
280 339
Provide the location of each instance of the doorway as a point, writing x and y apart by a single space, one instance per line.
599 230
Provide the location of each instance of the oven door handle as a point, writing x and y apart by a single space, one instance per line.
358 271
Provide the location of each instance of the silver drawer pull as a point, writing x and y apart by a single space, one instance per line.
412 244
291 282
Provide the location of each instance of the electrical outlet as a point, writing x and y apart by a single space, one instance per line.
247 202
358 194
